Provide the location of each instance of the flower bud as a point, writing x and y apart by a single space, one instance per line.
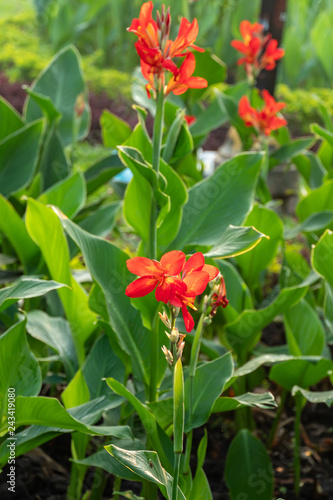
173 336
168 355
164 318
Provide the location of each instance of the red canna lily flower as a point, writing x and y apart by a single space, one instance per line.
271 54
260 52
157 51
190 119
264 120
183 79
154 274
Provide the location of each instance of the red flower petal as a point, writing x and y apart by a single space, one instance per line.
173 262
194 263
141 266
141 287
188 320
196 282
212 271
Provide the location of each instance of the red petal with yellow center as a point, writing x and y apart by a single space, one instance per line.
173 262
141 266
194 263
141 287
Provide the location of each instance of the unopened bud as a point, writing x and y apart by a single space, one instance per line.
180 349
164 318
168 355
173 336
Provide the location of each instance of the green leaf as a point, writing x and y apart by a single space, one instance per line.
315 397
105 461
18 157
304 330
102 363
107 265
10 119
218 201
128 494
235 241
102 171
45 229
147 465
288 151
264 400
77 392
26 288
322 133
56 333
69 195
311 168
200 488
210 67
209 381
255 476
53 164
322 256
147 419
243 333
252 263
115 131
301 372
45 103
318 200
50 413
315 222
53 82
19 368
13 227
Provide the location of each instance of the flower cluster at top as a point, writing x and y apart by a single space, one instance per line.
177 282
157 52
260 52
265 119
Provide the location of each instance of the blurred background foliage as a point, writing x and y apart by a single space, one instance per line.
31 31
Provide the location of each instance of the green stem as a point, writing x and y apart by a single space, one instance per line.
155 348
157 143
176 476
277 418
195 350
116 487
297 429
98 485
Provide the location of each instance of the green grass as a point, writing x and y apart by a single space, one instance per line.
9 9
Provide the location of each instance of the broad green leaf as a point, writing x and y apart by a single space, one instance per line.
304 331
311 168
53 82
209 119
315 397
69 195
101 221
19 368
102 171
53 164
252 263
129 495
218 201
254 478
137 206
26 288
301 372
230 106
45 103
208 384
115 131
147 465
265 401
322 133
18 157
77 392
146 417
243 333
200 487
10 119
322 38
107 265
56 333
102 363
50 413
322 256
318 200
288 151
107 462
45 229
13 227
315 222
235 241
